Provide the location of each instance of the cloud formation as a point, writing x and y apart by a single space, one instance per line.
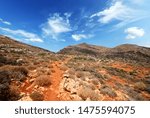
56 25
78 37
22 34
134 32
5 22
117 11
121 11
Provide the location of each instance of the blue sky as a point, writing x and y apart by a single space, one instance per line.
55 24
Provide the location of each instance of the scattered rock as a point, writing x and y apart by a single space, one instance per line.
25 98
88 99
22 94
31 80
75 97
66 75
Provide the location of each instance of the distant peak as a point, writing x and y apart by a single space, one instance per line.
83 44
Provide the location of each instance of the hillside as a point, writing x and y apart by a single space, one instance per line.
21 66
83 49
125 51
80 72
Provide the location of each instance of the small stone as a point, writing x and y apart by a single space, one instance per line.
75 97
66 75
31 80
88 99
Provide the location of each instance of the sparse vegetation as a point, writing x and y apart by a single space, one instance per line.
95 81
79 74
4 91
14 93
86 92
43 80
63 67
108 91
118 72
140 86
14 73
37 96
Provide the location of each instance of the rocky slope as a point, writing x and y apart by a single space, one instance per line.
126 51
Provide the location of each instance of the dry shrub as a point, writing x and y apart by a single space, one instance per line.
43 80
16 73
140 86
53 71
31 67
79 74
95 81
9 93
14 93
4 76
92 86
108 91
4 92
60 63
71 71
36 96
50 66
48 73
81 83
19 73
86 92
64 67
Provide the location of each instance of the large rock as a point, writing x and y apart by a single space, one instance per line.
71 85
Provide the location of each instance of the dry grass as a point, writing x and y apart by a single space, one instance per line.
43 80
140 86
86 92
108 91
95 81
79 74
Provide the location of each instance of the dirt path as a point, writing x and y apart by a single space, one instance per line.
52 93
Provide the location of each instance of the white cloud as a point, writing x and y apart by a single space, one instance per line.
56 25
138 1
23 34
5 22
78 37
117 11
134 32
123 11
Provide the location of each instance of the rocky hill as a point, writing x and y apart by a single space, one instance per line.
84 49
126 51
80 72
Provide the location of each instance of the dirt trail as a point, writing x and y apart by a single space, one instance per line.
52 93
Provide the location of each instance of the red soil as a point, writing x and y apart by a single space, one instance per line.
56 76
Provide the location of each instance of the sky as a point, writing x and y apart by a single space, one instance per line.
55 24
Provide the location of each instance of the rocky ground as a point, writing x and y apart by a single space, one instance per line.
28 73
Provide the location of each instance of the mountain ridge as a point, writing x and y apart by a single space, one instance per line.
122 47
